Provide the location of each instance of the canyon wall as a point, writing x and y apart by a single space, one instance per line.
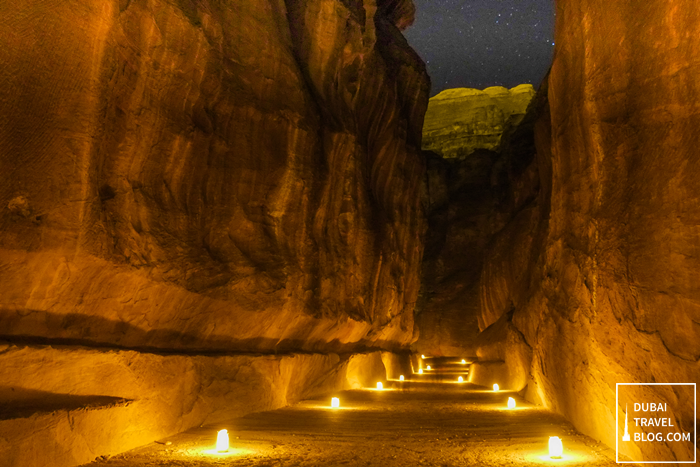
204 204
473 188
206 175
66 406
598 279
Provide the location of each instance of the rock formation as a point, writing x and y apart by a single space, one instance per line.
468 200
460 121
597 277
202 179
188 175
204 200
590 274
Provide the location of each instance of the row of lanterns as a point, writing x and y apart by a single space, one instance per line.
556 448
463 362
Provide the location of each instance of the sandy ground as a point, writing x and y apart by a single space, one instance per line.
421 424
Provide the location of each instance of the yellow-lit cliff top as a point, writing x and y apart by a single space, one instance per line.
458 93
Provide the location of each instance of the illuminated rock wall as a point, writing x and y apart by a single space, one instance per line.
601 272
65 406
199 175
200 178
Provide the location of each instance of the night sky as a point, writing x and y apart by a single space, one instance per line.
482 43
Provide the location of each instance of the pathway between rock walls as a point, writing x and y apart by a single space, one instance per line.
431 420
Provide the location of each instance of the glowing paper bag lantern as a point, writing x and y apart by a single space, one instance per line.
495 387
511 403
464 361
401 378
420 372
422 356
380 385
335 402
429 367
556 449
460 379
222 441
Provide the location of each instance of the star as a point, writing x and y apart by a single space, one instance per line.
480 43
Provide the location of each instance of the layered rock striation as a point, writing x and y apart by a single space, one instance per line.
595 282
194 175
462 120
468 201
65 406
203 205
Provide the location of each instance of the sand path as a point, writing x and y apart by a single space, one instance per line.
415 424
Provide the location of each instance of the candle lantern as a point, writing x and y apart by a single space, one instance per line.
222 441
556 449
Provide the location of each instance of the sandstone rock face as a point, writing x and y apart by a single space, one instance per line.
186 181
503 357
460 204
50 414
468 200
194 175
600 272
460 121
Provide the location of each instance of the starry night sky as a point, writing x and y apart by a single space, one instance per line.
482 43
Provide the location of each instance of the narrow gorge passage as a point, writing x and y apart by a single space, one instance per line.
431 420
221 212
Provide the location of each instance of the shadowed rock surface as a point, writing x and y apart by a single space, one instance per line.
468 201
